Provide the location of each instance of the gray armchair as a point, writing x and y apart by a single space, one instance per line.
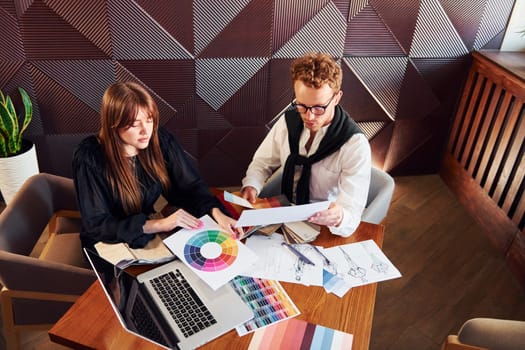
379 196
488 333
40 281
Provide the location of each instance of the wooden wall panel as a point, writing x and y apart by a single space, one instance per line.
220 69
485 164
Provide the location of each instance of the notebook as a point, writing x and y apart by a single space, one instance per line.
169 305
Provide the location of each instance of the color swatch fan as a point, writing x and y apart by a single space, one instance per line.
211 253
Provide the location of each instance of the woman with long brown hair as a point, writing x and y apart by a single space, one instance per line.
120 173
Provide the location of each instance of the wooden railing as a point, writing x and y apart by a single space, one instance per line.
484 163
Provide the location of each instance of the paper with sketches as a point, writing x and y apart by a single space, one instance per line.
276 262
267 216
230 197
211 253
361 263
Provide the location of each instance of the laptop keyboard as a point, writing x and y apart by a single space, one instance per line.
146 326
184 305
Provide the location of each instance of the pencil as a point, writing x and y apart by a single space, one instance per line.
298 254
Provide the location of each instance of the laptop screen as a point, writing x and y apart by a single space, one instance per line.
117 286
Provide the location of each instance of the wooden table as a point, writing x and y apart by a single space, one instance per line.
91 324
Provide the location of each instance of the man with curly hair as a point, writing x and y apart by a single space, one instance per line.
315 151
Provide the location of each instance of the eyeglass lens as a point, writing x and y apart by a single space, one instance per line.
317 110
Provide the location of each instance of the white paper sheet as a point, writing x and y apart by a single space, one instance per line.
276 262
215 261
361 263
230 197
267 216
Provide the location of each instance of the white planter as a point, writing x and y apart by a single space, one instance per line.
15 170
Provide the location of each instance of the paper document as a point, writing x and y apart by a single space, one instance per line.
277 262
361 263
211 253
230 197
267 216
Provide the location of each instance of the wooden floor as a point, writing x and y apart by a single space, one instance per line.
450 272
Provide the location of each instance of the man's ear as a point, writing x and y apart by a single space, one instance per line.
339 96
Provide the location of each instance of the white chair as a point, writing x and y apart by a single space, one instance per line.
379 193
379 196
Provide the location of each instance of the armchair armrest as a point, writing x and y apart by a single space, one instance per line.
31 274
488 333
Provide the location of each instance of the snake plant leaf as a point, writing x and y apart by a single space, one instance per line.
10 130
3 146
6 127
28 115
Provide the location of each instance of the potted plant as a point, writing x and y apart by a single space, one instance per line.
18 159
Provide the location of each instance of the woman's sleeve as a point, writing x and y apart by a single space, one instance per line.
102 216
188 189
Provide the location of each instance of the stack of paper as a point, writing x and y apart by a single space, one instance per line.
300 232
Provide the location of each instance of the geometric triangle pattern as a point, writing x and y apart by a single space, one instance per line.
492 24
217 79
371 129
137 36
383 76
435 36
309 38
365 27
220 70
75 75
211 18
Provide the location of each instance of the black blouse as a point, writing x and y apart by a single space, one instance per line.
103 217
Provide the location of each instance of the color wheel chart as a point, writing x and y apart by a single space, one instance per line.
211 250
211 253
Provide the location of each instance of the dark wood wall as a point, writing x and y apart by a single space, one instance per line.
484 164
219 70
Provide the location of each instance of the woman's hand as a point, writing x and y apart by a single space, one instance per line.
333 216
180 218
227 223
249 193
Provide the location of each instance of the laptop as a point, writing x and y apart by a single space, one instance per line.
169 305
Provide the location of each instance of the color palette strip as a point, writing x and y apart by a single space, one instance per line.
268 300
211 250
297 334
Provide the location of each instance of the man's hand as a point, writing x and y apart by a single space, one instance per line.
249 193
333 216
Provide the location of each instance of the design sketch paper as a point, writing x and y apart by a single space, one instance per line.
361 263
277 262
211 253
267 216
229 197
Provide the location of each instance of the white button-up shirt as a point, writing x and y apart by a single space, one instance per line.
343 177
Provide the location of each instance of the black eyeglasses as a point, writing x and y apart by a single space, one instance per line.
316 110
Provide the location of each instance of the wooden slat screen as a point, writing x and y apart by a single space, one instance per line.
484 164
487 138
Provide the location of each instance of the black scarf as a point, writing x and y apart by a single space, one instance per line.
340 130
